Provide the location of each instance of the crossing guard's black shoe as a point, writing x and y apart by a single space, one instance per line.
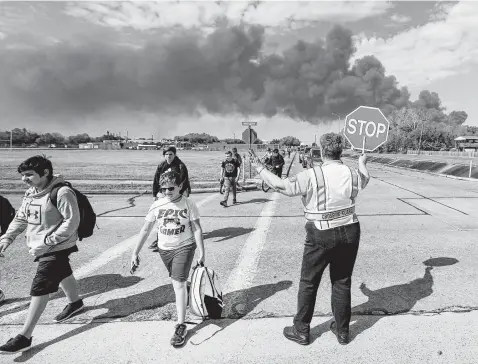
16 344
291 333
342 338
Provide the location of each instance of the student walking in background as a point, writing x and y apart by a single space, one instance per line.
230 172
238 158
328 194
179 234
276 161
171 163
51 234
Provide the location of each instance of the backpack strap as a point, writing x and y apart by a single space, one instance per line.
54 192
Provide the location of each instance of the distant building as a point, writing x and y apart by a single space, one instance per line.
89 145
467 143
105 145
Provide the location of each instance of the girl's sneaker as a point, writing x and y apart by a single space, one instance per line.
179 337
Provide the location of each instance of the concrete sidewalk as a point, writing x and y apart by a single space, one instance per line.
444 338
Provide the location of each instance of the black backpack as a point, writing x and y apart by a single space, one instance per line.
7 214
87 214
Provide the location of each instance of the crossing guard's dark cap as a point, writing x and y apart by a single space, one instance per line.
169 149
276 150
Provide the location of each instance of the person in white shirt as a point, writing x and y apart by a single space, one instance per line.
328 194
179 233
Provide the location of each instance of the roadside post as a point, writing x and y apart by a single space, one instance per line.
366 128
471 165
249 136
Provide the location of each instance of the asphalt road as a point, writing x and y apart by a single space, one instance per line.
413 293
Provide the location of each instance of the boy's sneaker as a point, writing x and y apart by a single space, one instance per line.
179 337
70 310
342 337
223 203
291 333
16 344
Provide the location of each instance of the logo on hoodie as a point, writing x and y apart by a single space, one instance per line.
34 214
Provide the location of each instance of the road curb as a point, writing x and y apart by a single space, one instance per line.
250 187
417 170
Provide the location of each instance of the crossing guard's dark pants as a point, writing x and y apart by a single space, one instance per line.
338 248
229 182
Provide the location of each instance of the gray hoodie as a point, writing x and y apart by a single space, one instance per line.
48 229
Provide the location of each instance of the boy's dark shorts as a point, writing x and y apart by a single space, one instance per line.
179 261
52 269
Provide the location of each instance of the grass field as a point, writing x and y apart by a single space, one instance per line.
115 165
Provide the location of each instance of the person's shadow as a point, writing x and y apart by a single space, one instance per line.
226 233
385 301
254 200
120 307
88 286
237 305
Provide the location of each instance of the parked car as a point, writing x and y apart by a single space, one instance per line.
312 158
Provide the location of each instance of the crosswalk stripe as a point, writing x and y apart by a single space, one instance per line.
246 266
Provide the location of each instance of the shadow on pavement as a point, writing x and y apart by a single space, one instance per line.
120 307
391 300
226 233
238 304
89 286
254 200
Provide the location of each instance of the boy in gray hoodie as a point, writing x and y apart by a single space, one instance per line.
51 235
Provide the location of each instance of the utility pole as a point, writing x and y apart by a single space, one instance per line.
250 147
420 142
11 140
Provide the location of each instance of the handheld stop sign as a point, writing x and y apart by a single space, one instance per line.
366 128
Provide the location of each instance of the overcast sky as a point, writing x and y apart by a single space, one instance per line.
169 68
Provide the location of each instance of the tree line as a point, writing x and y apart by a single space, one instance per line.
28 137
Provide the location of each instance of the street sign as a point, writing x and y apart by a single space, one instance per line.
249 134
249 123
367 128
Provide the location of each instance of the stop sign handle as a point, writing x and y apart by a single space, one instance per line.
363 145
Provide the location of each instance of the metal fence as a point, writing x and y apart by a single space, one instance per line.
444 153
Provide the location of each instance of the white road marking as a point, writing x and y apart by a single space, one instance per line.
101 260
245 270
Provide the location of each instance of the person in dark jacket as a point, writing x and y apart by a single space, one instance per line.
173 163
7 213
276 161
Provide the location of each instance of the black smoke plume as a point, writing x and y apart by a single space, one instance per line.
223 72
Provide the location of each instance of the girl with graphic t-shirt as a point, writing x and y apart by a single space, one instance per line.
179 230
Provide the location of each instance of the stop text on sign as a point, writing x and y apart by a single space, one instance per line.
370 128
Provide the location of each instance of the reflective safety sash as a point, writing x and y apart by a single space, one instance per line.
329 215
